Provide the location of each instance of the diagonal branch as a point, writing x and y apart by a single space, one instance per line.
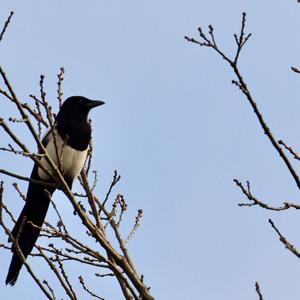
6 25
241 84
284 241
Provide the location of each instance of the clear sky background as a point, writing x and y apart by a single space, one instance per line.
176 130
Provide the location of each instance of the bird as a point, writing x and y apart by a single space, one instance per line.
71 133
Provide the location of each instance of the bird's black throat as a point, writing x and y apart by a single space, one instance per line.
76 134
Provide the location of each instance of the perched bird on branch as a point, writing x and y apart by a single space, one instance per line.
66 145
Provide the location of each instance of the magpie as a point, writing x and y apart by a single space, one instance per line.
71 133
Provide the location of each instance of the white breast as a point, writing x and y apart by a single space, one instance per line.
72 161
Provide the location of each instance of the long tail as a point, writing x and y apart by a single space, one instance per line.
35 210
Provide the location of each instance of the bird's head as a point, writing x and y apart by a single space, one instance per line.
77 107
80 104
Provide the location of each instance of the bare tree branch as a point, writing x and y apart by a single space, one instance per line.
258 291
6 25
241 40
60 77
255 201
87 290
208 40
282 239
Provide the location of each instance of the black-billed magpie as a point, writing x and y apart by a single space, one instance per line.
72 135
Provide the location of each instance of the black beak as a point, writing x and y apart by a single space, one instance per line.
94 103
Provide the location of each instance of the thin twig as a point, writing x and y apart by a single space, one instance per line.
46 283
81 280
6 25
136 225
22 196
115 180
92 202
60 77
255 201
258 291
282 239
66 278
51 122
296 156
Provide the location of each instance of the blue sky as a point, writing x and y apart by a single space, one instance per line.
176 130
